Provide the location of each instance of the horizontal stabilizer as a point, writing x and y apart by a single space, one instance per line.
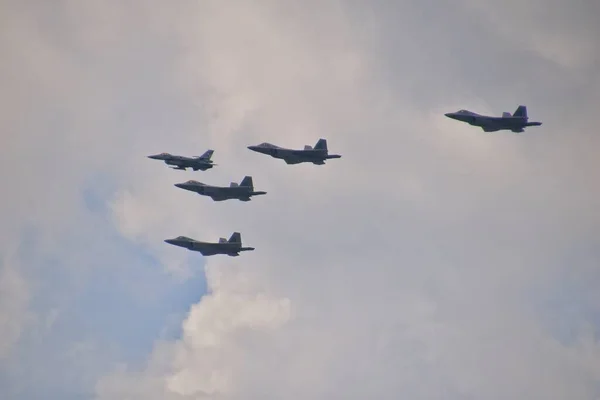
222 240
308 147
506 115
233 184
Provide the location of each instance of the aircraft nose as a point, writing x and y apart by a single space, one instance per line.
180 185
154 157
170 241
252 147
449 115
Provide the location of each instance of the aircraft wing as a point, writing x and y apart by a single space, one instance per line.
487 128
303 153
206 249
219 194
206 252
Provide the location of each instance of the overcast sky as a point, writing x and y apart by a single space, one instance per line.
432 261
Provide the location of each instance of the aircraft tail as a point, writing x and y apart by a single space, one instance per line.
247 182
207 155
222 240
321 145
521 112
233 184
506 115
236 237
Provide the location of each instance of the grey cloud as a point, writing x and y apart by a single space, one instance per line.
408 265
564 34
438 273
15 293
61 111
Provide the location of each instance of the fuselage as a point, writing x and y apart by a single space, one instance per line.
291 156
220 193
492 124
184 162
207 248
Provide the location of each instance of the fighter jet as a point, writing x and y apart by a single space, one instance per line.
515 122
242 192
316 155
230 247
196 163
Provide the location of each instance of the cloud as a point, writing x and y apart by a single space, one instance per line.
564 35
431 261
408 265
63 110
14 298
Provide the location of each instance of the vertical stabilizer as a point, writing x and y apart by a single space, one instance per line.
247 182
236 237
521 112
207 155
321 145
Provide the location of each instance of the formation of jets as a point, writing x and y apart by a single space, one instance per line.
516 122
242 191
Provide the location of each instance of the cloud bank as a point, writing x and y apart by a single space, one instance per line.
431 261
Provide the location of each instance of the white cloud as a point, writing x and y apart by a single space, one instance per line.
214 329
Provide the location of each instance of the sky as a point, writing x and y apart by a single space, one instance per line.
432 261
